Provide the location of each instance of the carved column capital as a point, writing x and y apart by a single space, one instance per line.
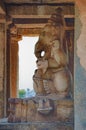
13 29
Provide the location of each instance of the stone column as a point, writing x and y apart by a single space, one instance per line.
14 67
2 68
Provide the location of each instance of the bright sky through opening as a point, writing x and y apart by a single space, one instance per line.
27 62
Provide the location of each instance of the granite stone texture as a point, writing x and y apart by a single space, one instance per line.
80 72
35 126
2 78
79 86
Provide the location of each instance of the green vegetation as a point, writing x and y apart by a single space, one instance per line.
22 93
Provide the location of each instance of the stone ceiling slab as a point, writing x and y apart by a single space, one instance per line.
14 10
37 1
58 1
22 1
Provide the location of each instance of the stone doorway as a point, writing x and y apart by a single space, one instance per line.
69 49
27 66
18 29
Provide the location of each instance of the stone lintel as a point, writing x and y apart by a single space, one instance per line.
37 1
22 1
69 16
18 10
25 32
16 38
29 16
29 31
58 1
29 26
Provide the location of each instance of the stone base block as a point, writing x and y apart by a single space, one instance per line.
41 109
36 126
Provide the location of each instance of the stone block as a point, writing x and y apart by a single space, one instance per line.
31 110
1 104
35 126
1 84
27 110
57 1
15 110
24 110
65 110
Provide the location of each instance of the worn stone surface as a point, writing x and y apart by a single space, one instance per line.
30 31
2 8
51 78
2 65
22 1
14 67
24 110
81 44
80 75
36 126
37 1
80 66
1 104
28 110
59 1
36 10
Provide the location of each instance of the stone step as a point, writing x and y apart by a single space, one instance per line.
36 126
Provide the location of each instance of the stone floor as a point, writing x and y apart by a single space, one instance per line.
3 120
4 125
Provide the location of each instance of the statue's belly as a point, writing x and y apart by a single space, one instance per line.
62 80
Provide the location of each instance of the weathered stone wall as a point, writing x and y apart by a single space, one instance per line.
2 68
80 65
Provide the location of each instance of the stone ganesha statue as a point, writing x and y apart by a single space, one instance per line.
52 75
52 81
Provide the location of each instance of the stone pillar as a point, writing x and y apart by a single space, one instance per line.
7 69
2 68
14 67
80 65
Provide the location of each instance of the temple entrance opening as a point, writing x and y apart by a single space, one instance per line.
27 66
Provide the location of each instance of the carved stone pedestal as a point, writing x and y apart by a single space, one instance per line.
42 110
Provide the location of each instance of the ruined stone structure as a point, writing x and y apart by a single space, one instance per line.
27 18
52 80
